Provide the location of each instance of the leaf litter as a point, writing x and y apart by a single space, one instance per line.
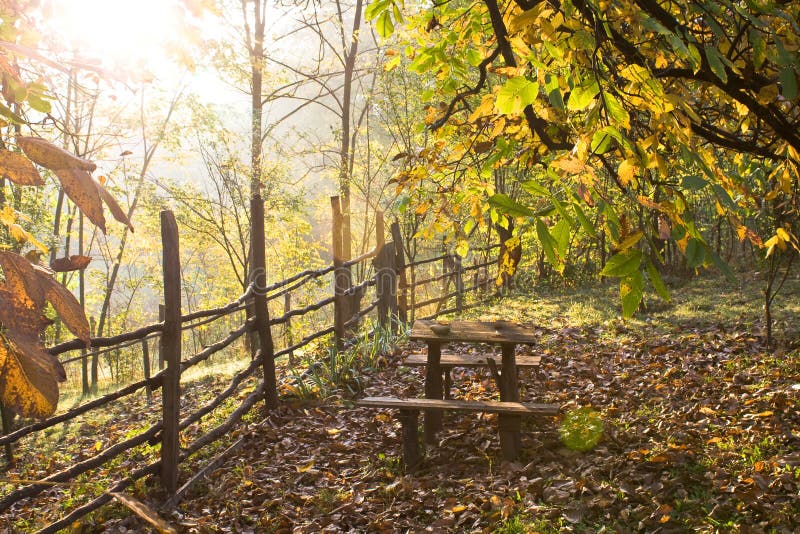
701 432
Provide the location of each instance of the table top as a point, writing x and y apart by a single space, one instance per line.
472 331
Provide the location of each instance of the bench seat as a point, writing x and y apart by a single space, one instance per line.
450 359
509 412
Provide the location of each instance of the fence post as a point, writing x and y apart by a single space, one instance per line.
8 427
259 279
160 352
171 352
287 326
380 231
459 268
146 366
340 275
400 267
386 284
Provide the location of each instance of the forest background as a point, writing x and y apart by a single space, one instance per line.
622 139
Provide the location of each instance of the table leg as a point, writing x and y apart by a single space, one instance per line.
411 456
510 437
433 390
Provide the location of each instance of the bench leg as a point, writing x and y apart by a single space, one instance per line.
433 390
510 425
510 439
411 456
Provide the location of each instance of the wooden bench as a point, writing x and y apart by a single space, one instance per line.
509 414
449 360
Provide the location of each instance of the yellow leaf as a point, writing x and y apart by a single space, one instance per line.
304 468
708 411
7 215
768 94
333 431
19 169
627 171
28 378
458 508
18 233
629 241
485 109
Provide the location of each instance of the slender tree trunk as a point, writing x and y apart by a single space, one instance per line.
346 148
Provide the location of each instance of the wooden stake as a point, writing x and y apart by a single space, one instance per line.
259 279
400 267
171 352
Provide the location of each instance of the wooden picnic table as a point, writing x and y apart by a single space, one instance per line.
504 333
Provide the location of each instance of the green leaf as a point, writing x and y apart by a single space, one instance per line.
616 113
469 226
695 58
656 281
535 189
10 115
549 245
507 205
553 90
583 95
715 61
384 24
721 265
561 235
693 182
759 48
516 94
724 197
587 226
474 57
376 8
601 142
695 253
630 291
788 83
623 264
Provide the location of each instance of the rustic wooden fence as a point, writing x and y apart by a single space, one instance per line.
393 301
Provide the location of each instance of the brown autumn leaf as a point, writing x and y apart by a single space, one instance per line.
29 378
113 206
50 156
483 146
82 190
71 263
23 298
66 305
144 511
19 169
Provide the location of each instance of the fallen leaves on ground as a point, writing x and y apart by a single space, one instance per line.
701 432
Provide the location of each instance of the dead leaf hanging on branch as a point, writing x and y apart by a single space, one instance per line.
29 378
19 169
29 375
71 263
50 156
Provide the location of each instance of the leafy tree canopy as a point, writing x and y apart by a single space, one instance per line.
621 110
